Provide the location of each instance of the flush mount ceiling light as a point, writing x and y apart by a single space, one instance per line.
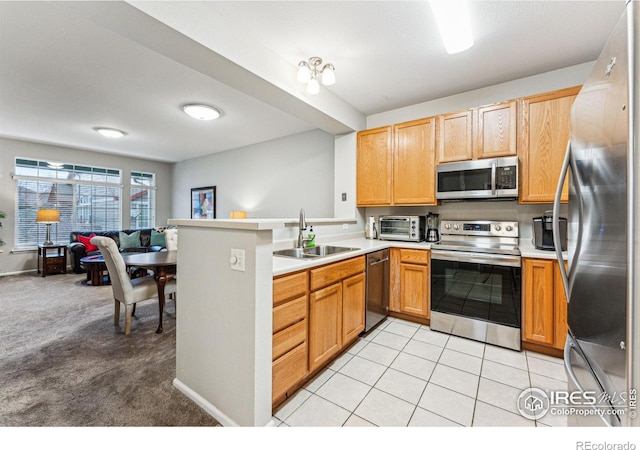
308 72
110 132
452 17
201 112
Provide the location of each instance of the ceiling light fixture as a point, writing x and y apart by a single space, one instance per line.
110 132
201 112
308 72
452 17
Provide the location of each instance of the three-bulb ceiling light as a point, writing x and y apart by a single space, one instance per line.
308 72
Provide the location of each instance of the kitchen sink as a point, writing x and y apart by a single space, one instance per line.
312 252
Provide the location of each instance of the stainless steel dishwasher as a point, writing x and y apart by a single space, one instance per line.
377 299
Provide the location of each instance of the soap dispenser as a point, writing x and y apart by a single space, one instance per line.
312 237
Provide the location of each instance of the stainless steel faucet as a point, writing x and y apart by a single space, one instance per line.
302 225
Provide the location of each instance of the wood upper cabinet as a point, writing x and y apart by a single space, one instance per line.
495 130
544 312
374 167
455 136
543 137
414 146
485 132
410 282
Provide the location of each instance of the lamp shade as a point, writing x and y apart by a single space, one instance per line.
238 215
48 216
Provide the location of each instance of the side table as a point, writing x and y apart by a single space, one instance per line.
96 268
53 259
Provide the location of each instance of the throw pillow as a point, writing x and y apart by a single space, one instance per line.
87 242
129 240
158 239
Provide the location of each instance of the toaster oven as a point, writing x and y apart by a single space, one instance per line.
402 228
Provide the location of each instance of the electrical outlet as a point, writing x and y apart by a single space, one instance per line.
345 226
237 259
344 196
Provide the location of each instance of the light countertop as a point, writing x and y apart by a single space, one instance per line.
282 265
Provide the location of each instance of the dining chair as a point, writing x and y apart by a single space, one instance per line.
171 238
126 290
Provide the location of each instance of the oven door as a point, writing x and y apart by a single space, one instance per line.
480 286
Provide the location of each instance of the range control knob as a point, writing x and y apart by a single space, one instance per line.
498 227
456 226
447 226
509 228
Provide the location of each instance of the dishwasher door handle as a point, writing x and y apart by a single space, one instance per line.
375 263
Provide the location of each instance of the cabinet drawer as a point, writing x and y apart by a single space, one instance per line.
332 273
289 286
289 338
414 256
288 370
289 313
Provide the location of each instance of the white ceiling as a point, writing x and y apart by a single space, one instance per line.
68 67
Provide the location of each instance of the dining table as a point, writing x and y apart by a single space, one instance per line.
164 265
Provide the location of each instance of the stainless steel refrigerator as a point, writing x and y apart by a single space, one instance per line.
602 283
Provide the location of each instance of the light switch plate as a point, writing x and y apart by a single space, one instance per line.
237 259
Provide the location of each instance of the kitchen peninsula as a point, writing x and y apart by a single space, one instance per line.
224 327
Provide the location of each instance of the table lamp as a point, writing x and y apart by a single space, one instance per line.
238 215
48 216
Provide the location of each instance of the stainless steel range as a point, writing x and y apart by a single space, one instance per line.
476 281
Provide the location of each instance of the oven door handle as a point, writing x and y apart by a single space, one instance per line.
478 258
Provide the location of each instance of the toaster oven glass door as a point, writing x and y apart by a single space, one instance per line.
396 227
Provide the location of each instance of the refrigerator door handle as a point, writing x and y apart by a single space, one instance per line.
567 277
571 346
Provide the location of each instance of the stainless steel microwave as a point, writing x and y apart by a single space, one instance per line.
402 228
479 179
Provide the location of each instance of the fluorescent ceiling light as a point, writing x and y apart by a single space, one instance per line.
201 112
452 17
110 132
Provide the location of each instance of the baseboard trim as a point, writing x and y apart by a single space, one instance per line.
209 408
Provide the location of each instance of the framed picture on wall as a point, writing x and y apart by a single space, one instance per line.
203 202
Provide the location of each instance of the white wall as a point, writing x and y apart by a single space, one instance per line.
271 179
10 149
536 84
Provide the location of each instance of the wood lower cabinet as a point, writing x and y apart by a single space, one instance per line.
353 307
290 343
544 304
336 308
543 136
325 326
410 281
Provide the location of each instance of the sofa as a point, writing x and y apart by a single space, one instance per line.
142 240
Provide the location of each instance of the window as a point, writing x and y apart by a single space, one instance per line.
88 198
143 200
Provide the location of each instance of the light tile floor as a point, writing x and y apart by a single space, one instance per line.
403 374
